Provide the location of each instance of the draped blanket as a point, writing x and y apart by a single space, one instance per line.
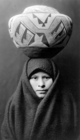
29 118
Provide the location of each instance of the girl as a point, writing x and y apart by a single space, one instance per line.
41 107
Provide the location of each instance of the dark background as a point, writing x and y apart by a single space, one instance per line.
12 59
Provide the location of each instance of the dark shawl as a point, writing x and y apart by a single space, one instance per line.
29 118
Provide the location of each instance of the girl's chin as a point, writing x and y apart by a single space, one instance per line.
40 94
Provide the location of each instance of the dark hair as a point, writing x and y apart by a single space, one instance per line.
39 70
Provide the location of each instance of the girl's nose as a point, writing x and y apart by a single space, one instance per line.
41 83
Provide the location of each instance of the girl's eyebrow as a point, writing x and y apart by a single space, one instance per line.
34 75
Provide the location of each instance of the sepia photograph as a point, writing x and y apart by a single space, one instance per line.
40 70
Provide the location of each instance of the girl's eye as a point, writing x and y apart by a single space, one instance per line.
46 77
35 77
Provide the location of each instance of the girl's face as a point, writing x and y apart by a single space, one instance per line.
40 83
